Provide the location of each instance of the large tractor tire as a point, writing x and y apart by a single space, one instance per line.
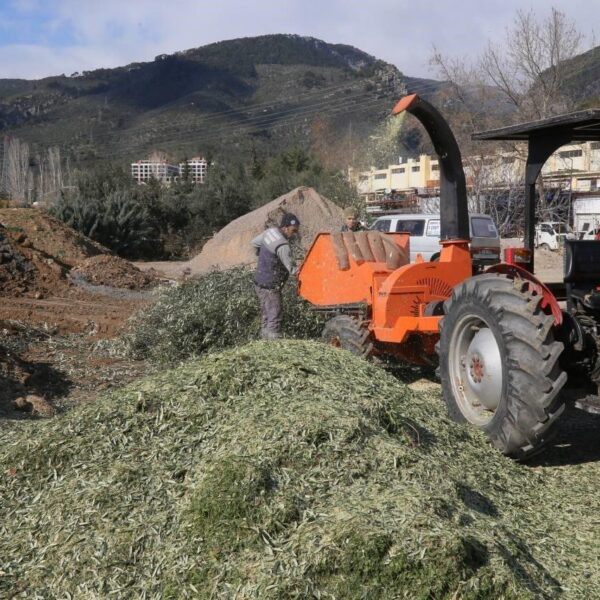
499 363
350 334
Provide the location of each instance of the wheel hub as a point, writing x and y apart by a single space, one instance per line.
476 370
484 374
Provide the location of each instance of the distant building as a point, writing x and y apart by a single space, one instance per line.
576 166
398 185
158 167
145 170
197 167
411 183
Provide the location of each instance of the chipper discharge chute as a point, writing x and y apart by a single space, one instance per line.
503 342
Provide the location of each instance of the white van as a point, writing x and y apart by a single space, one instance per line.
550 235
424 232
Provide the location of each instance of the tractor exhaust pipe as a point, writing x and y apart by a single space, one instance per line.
454 215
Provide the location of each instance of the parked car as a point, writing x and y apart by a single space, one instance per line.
551 235
424 230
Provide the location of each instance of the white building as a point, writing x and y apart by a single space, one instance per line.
576 164
144 170
197 167
575 167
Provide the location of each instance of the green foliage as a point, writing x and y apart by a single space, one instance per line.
102 181
213 311
310 80
153 220
297 167
116 220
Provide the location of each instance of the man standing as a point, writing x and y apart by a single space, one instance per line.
274 267
351 220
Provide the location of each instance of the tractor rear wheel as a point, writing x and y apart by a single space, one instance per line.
499 363
350 334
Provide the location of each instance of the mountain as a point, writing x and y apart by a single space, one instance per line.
234 96
583 79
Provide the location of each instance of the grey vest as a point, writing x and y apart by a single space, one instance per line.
270 272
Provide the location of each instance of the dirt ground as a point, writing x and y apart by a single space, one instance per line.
548 263
53 352
52 324
93 315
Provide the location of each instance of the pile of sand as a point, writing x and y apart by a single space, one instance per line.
105 269
231 246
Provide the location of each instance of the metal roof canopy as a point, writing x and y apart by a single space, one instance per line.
545 137
582 126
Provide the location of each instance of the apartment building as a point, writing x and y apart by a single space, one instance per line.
144 170
406 175
196 167
159 168
575 167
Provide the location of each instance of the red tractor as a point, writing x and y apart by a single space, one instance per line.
504 342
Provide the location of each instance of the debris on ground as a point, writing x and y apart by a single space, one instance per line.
34 404
231 247
282 470
42 369
211 311
109 270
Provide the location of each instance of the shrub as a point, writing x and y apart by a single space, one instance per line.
117 221
213 311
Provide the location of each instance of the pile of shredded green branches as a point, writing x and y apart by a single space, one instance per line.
280 470
213 311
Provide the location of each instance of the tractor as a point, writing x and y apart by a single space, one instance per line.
504 344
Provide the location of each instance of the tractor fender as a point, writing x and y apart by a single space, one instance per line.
549 301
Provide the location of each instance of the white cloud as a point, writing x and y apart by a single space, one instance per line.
115 32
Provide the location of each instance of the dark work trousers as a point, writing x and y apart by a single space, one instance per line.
270 311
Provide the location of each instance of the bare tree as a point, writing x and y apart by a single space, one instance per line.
530 68
524 79
17 176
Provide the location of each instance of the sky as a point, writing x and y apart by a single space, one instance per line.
49 37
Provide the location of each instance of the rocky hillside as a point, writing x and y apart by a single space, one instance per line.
238 94
584 78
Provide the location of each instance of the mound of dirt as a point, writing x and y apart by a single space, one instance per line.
32 228
283 470
16 272
230 247
105 269
36 251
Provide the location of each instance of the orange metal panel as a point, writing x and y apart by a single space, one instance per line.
401 299
322 282
405 326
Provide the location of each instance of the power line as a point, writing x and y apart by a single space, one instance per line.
209 129
256 121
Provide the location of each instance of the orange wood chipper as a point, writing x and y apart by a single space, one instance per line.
504 343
